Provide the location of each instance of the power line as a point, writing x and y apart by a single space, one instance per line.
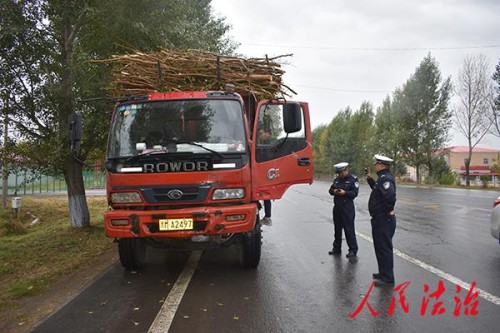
378 48
344 90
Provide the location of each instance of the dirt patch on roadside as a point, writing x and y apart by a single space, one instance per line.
34 310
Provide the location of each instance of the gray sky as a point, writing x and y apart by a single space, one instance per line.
348 51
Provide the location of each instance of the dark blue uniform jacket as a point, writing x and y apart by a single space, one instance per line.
383 197
350 185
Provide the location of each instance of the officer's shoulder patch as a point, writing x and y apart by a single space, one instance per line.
356 184
386 185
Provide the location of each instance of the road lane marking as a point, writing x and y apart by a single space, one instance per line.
165 316
483 294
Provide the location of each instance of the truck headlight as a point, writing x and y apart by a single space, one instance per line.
125 197
229 193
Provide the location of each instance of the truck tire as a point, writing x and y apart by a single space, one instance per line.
132 253
251 247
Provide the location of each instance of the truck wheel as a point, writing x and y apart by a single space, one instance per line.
251 247
132 253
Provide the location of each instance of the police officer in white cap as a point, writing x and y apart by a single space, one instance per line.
344 190
381 207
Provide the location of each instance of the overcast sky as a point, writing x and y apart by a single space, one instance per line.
348 51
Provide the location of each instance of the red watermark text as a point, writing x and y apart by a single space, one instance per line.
431 303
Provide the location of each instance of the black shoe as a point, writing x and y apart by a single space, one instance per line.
350 255
382 283
376 276
334 252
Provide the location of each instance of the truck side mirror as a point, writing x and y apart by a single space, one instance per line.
292 117
75 131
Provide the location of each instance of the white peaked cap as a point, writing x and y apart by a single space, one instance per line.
340 166
383 159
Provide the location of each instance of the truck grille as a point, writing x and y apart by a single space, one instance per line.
176 194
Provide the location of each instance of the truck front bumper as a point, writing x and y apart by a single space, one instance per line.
206 221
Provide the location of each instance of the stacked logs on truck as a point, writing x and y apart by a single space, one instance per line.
170 70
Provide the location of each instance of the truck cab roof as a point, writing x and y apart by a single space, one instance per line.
173 95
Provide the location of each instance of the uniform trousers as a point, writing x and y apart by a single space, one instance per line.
267 208
383 228
344 220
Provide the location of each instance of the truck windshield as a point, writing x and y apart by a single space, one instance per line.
195 126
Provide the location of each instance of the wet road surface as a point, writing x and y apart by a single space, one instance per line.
442 239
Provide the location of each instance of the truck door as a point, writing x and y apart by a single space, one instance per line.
281 148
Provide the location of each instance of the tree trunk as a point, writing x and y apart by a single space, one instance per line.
467 167
5 169
5 185
430 174
78 209
417 169
3 158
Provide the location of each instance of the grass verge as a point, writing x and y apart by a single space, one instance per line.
34 256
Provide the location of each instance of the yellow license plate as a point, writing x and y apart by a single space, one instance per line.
176 224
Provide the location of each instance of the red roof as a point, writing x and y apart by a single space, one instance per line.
465 149
476 167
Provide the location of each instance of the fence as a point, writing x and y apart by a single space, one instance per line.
26 182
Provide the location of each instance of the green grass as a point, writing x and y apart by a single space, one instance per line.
31 258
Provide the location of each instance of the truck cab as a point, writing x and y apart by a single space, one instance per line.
188 169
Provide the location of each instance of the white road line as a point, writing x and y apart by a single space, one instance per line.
483 294
165 316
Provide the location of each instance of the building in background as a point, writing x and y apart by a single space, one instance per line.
482 161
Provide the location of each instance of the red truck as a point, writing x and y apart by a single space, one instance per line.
187 170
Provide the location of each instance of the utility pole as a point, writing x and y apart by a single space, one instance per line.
5 172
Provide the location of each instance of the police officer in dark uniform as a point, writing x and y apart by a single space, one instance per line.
383 220
344 189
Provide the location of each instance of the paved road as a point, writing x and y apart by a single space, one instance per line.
442 240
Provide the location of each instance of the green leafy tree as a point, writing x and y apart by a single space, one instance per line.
423 113
348 138
327 146
148 25
338 140
442 172
320 166
324 152
388 138
46 45
25 72
494 114
361 133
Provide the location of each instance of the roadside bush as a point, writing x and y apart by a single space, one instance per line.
485 180
430 180
447 179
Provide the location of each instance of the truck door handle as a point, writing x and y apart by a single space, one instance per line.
304 161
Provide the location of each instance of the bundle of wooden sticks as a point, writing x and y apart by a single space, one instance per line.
173 70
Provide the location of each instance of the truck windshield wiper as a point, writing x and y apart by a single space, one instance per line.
199 145
152 152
